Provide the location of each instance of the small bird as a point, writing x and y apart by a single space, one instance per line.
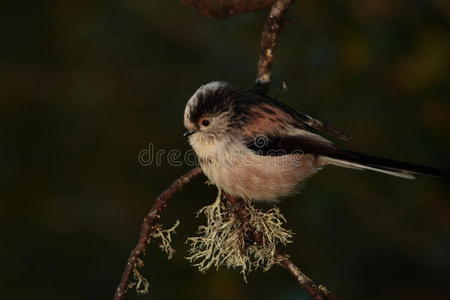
254 147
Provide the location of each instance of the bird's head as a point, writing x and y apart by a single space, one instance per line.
209 112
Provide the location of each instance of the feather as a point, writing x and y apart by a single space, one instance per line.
383 165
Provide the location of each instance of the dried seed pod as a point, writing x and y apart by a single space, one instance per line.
227 8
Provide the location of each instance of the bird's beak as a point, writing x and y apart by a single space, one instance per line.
188 133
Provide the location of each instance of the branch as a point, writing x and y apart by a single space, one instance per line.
315 292
269 41
226 8
148 226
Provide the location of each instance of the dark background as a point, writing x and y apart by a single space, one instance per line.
85 85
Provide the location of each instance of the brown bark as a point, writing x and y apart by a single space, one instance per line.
148 226
269 42
227 8
314 291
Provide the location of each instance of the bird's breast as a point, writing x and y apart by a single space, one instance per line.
240 172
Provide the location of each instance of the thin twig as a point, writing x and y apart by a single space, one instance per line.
148 226
269 41
315 292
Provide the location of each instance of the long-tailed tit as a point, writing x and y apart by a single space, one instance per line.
257 148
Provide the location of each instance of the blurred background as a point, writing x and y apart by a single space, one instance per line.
86 85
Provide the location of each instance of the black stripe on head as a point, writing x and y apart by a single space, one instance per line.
211 99
217 97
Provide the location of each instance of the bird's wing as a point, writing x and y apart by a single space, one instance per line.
322 127
270 130
276 116
312 123
272 127
272 118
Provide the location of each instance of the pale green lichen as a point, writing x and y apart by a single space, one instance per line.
223 241
139 283
164 238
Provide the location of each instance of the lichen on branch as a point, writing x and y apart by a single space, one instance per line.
227 240
164 238
139 282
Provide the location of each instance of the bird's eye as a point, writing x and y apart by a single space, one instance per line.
205 122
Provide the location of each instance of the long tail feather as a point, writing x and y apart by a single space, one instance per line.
361 161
